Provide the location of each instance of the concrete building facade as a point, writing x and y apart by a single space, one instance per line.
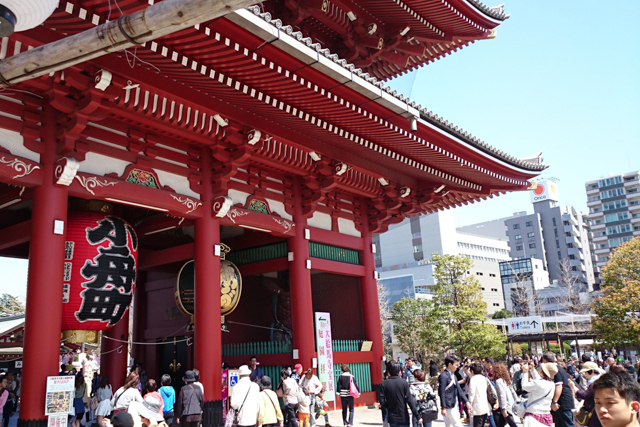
403 257
556 235
614 210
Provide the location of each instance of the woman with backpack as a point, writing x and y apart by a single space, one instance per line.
344 389
425 398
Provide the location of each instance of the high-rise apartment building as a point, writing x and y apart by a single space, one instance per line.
403 257
556 235
614 210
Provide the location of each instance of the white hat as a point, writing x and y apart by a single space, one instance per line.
244 371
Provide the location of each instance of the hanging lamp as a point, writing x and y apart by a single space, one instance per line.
22 15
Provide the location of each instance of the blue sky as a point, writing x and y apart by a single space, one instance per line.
562 77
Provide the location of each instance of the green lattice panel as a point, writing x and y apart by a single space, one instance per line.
361 373
257 254
334 253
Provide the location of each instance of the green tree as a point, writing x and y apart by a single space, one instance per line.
502 314
10 306
618 307
416 331
458 304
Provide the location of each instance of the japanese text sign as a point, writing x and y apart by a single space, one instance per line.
325 355
59 395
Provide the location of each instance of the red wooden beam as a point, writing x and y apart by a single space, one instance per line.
280 264
336 239
148 259
15 235
337 267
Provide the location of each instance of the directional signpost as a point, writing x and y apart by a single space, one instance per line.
523 325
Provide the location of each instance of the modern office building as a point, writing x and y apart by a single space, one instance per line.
556 235
614 210
403 257
521 280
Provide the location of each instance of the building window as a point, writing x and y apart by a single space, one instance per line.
518 236
482 289
532 245
531 235
529 223
417 248
518 247
516 226
494 290
554 221
495 304
559 256
555 232
558 244
492 275
479 273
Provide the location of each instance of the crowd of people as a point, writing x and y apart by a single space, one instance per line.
539 392
254 400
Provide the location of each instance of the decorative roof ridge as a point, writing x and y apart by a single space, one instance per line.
425 114
496 12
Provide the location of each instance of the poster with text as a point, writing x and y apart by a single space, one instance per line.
59 395
325 355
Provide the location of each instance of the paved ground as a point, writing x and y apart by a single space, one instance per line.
365 417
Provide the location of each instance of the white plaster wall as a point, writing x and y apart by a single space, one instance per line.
346 226
100 165
238 197
278 207
320 220
178 182
14 142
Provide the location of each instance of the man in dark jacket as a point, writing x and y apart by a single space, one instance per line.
188 406
395 396
451 393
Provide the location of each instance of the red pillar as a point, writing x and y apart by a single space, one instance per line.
370 307
113 362
44 284
300 285
207 332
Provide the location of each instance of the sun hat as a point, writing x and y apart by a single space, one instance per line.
151 408
244 371
550 369
591 366
189 377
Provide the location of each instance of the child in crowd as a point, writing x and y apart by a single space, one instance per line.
303 407
321 408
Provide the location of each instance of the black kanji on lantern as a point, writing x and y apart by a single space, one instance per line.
111 274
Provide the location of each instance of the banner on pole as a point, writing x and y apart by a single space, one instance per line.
325 355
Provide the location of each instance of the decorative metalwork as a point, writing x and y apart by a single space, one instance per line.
192 205
93 182
235 213
259 206
21 167
221 206
142 177
230 287
288 225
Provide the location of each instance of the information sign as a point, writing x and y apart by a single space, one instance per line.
325 355
59 395
523 325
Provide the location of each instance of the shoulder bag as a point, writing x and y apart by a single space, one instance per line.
232 414
492 397
353 390
520 408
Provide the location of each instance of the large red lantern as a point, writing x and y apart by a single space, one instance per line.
101 252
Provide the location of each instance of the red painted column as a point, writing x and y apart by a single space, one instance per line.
300 285
370 307
114 360
44 284
207 332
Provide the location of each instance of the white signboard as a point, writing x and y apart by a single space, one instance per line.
59 395
60 420
523 325
325 355
545 190
19 364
